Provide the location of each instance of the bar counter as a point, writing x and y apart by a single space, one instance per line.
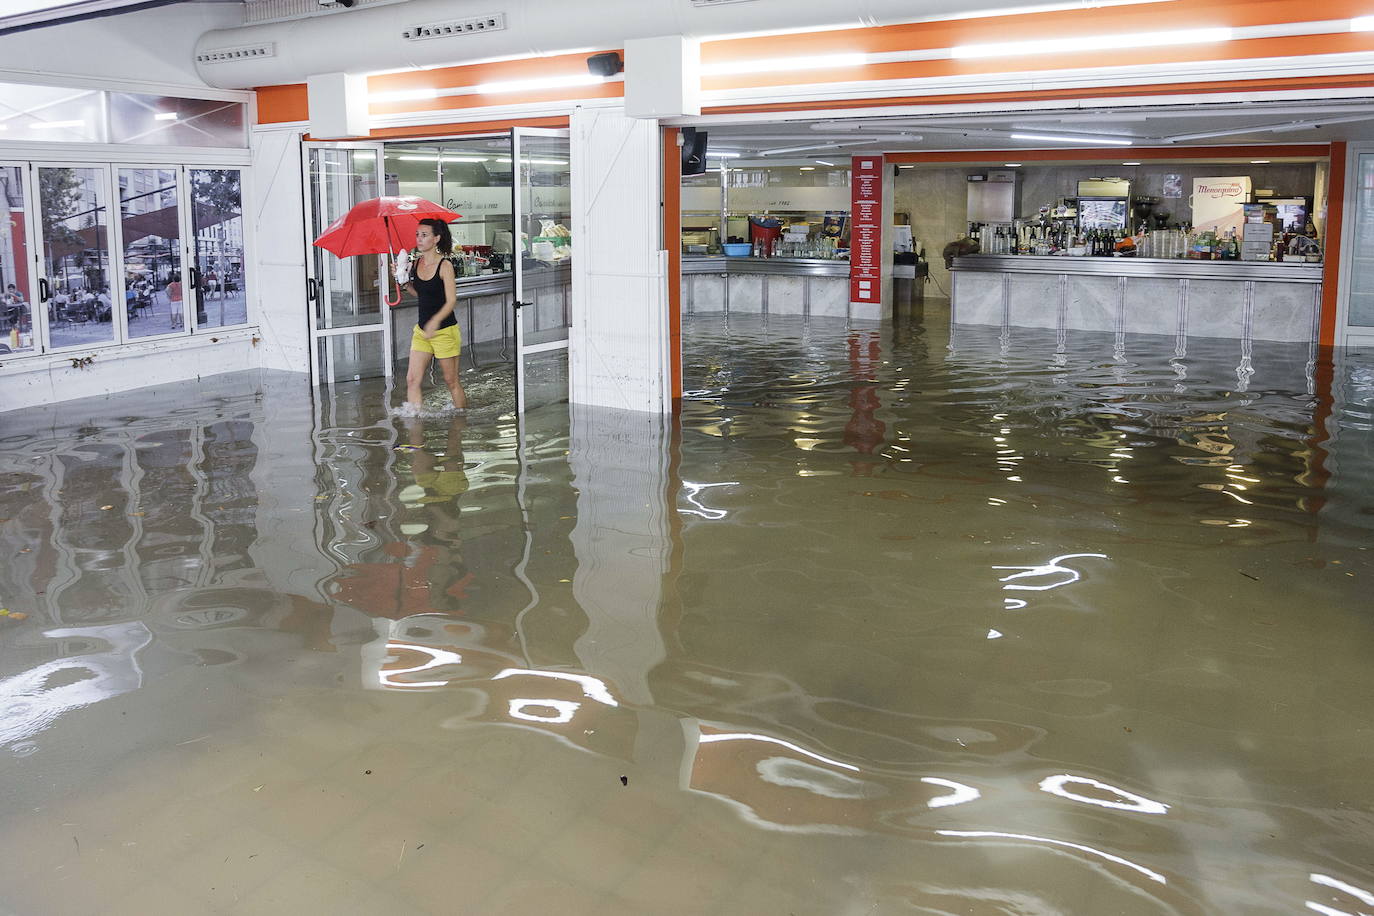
1248 300
777 286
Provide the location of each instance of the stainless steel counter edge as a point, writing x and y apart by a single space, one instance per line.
1159 268
500 284
788 267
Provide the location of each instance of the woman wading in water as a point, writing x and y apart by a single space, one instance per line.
436 334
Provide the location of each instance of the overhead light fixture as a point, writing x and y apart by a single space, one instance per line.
1130 163
1011 165
551 82
55 125
465 159
780 64
906 166
418 158
1362 24
823 162
1259 161
711 154
165 116
1056 138
404 95
799 149
1093 43
807 168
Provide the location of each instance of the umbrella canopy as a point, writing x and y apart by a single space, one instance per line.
383 225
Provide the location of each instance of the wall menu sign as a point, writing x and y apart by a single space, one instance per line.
866 229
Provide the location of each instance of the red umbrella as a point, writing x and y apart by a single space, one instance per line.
383 225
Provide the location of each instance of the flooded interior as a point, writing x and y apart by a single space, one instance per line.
889 619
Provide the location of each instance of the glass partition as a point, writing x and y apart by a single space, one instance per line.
217 222
16 308
72 202
150 233
172 121
1361 313
51 113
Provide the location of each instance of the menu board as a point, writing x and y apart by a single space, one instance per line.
866 229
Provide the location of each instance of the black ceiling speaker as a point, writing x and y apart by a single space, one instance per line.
608 64
693 151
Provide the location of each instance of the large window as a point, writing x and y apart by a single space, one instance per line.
124 253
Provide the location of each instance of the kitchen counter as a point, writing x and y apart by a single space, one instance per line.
1244 300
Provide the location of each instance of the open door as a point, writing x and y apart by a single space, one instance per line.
350 329
542 193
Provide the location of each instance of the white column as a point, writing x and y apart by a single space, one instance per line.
618 345
277 211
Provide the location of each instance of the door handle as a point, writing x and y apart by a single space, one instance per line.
44 291
312 289
194 276
519 305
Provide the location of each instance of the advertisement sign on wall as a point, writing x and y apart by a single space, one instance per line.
866 229
1218 203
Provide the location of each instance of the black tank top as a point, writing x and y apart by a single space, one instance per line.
430 294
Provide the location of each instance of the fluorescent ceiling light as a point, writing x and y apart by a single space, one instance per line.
418 158
823 162
165 116
1259 161
782 64
404 95
799 149
807 168
1011 165
714 155
465 159
1130 163
551 82
1093 43
1054 138
55 125
1362 24
906 166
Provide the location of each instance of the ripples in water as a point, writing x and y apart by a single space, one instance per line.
886 618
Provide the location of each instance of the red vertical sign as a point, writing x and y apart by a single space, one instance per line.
866 229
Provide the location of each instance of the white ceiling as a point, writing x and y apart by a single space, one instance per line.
1228 124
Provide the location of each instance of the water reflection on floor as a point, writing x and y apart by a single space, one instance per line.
884 622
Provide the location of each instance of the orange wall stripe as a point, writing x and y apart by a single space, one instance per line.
1150 17
476 74
460 129
672 241
930 69
1331 249
282 104
1113 153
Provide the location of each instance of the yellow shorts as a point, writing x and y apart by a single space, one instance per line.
445 344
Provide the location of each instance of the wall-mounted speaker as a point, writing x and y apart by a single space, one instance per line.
693 151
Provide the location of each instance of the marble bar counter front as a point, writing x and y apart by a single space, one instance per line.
1245 300
770 286
486 308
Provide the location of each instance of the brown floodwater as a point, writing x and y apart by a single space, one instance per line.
888 620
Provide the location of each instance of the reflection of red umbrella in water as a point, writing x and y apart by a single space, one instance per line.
383 225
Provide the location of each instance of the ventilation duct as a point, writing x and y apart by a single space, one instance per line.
373 38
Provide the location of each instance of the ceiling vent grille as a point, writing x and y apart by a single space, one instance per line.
448 28
241 52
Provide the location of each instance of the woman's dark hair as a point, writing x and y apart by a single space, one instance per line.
444 234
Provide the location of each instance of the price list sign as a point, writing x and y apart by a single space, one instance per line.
866 229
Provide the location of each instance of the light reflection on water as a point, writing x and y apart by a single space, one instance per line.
884 619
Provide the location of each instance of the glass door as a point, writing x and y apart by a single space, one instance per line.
150 240
75 264
350 332
543 264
